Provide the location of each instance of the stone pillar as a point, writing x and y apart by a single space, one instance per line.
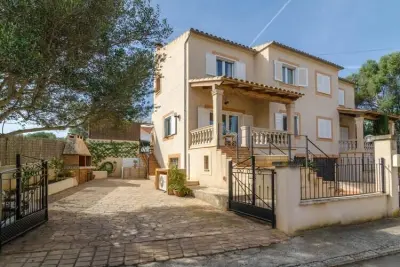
217 116
392 128
290 117
246 135
385 147
360 133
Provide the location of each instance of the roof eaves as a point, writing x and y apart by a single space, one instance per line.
346 81
304 54
208 35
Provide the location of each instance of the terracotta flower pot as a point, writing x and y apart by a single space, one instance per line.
179 194
170 192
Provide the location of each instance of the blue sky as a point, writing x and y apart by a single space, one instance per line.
315 26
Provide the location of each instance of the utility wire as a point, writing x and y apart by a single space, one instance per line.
356 51
269 23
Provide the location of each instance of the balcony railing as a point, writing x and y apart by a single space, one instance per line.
351 145
347 145
263 136
202 136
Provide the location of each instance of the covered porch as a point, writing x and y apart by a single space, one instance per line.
230 110
352 137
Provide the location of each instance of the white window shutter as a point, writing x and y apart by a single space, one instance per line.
203 117
341 97
247 120
327 84
302 77
173 124
211 64
240 70
324 128
278 70
279 121
320 81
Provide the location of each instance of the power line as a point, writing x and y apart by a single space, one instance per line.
269 23
356 51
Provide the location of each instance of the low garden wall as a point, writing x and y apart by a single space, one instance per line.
100 174
62 185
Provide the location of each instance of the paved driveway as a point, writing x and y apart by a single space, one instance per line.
123 222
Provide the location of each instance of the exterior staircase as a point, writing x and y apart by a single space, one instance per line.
230 152
151 161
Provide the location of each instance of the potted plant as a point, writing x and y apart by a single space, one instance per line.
177 182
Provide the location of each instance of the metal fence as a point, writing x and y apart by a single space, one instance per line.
23 199
325 178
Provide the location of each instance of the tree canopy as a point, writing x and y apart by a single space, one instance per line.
68 62
45 135
378 84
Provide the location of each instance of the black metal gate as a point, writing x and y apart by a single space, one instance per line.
23 199
252 190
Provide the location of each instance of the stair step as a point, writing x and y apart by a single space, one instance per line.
192 183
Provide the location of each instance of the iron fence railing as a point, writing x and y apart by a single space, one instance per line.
23 202
327 177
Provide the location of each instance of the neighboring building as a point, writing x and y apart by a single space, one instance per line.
266 91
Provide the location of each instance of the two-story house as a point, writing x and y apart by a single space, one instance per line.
213 93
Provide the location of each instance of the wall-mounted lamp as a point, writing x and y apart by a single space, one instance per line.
226 101
177 116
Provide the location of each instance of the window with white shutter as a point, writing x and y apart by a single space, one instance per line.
279 121
211 67
302 77
323 84
169 125
278 70
240 70
324 128
341 97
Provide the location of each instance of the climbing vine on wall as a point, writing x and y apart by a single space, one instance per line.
102 150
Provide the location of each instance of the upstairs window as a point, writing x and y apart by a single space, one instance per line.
224 68
282 125
323 84
341 97
288 74
157 85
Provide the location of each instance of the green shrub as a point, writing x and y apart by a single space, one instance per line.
177 180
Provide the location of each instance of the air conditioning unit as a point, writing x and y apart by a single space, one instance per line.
163 182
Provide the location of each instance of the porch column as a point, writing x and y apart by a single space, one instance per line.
360 133
290 117
217 116
392 128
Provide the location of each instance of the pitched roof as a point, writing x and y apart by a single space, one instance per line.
346 81
301 53
76 146
261 47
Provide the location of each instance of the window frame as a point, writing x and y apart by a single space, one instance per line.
172 157
224 60
316 84
157 85
344 97
317 128
298 123
208 163
170 116
285 68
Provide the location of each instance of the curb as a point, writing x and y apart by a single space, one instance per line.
351 258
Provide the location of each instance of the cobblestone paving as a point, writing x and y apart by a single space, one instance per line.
125 222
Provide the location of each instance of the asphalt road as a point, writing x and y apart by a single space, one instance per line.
388 261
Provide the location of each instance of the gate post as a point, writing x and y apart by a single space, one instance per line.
382 168
230 184
273 199
253 170
45 189
18 176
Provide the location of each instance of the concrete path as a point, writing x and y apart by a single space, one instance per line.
125 222
334 246
387 261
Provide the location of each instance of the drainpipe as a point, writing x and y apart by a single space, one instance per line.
185 84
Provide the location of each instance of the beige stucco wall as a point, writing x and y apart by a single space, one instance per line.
349 94
294 215
347 121
218 174
170 100
311 105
